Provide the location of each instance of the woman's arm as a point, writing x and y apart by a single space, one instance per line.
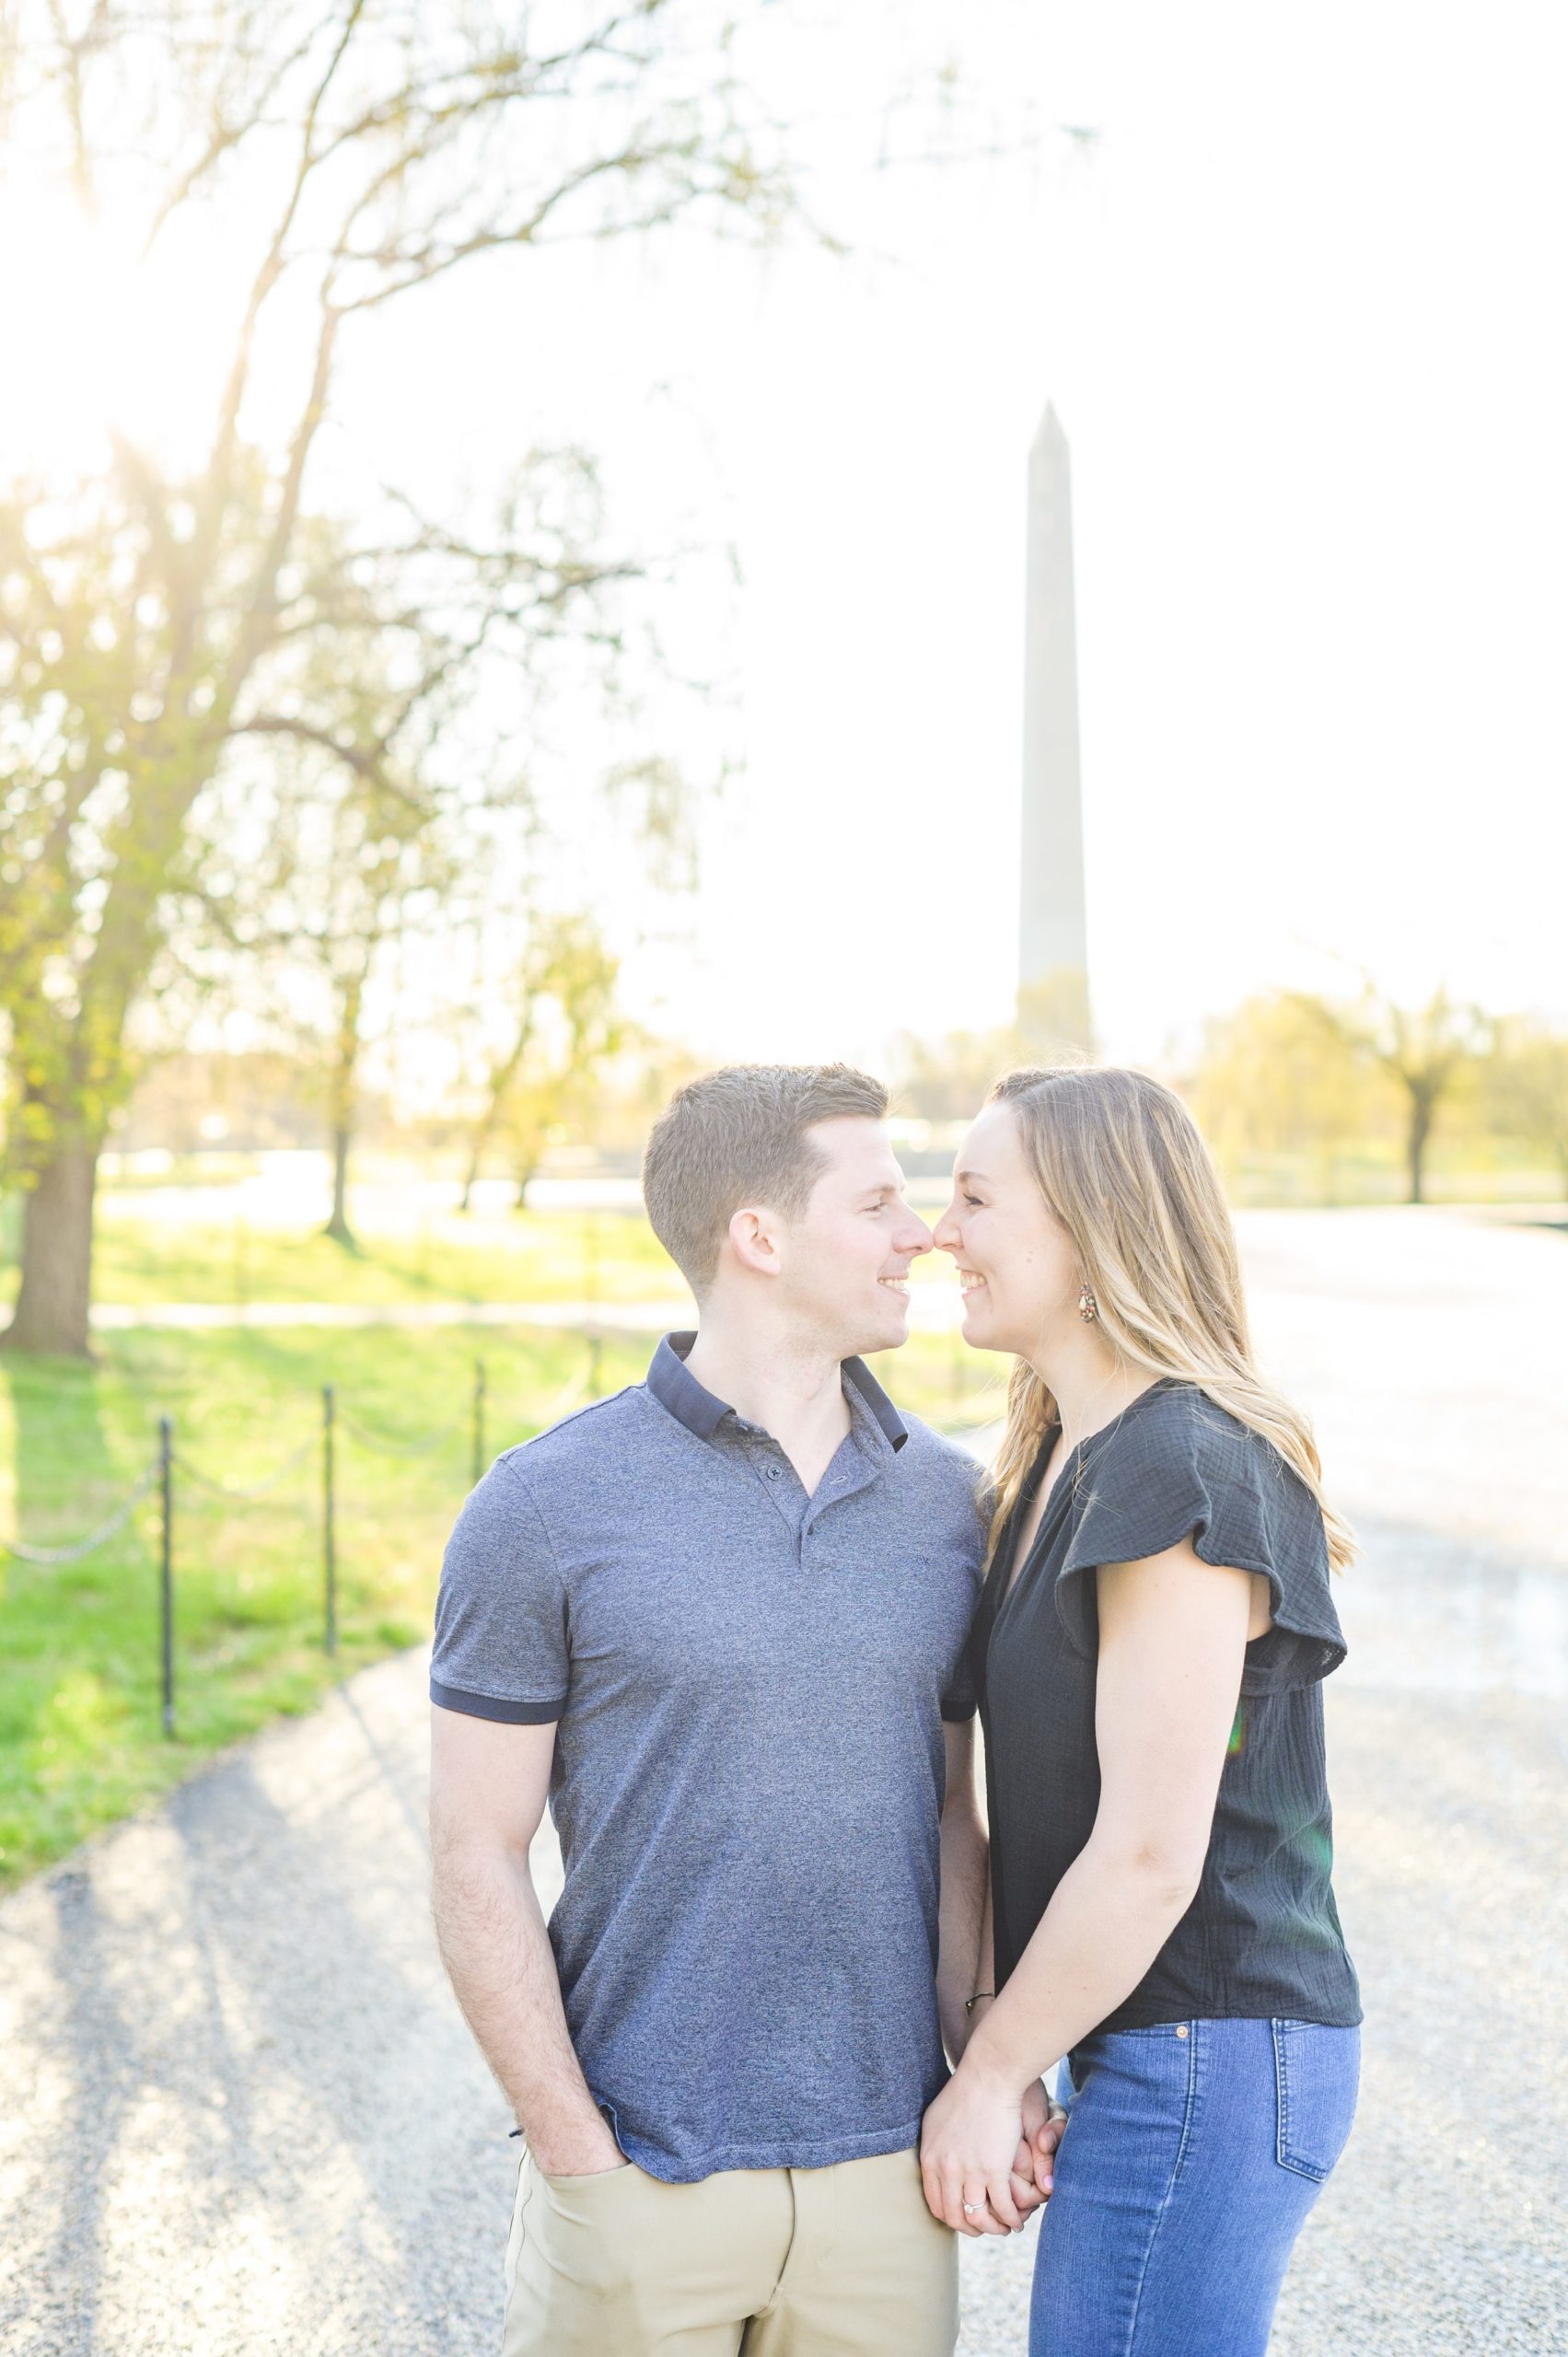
1034 2163
1173 1632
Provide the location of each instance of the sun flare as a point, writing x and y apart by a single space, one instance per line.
105 340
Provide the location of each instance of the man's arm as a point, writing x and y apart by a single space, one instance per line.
964 1880
488 1783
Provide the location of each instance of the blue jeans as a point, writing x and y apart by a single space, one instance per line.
1192 2156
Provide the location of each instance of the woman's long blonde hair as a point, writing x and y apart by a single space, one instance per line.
1121 1166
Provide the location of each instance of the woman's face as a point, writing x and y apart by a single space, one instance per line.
1015 1261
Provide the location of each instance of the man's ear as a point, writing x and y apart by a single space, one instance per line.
754 1239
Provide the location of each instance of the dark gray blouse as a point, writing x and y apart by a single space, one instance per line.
1261 1939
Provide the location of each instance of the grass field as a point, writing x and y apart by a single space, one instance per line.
199 1238
547 1256
80 1737
1459 1171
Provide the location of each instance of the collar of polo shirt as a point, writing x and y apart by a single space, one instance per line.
690 1403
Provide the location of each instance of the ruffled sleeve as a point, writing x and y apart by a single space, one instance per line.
1176 1467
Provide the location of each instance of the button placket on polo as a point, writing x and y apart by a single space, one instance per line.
856 1465
773 1473
862 1468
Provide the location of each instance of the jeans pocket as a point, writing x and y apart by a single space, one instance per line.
1317 2073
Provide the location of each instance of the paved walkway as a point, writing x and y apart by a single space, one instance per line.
239 2114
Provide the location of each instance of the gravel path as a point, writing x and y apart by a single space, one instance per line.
239 2113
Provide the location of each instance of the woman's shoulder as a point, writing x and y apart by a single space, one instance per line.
1174 1466
1170 1430
1179 1466
1175 1455
1175 1425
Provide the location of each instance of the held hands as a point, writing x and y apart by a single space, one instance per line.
1034 2166
987 2159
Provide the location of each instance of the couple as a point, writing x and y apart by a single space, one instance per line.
736 1622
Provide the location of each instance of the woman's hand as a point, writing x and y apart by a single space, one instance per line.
1034 2163
970 2140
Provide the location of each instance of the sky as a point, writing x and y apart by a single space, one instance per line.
1298 306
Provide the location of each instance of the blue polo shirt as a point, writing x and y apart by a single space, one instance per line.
749 1685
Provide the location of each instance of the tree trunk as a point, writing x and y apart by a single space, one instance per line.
1421 1109
341 1104
57 1257
501 1080
338 1228
481 1140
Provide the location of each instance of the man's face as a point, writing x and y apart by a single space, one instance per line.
845 1260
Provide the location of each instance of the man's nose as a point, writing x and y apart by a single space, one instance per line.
916 1237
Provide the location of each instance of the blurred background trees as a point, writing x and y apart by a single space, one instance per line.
1425 1050
1279 1078
162 621
564 1029
1317 1099
946 1080
1307 1098
271 736
1526 1085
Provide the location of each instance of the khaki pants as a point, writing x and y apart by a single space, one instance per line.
844 2262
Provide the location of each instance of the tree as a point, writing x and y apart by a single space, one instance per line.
1525 1082
1280 1077
380 856
1054 1026
948 1079
379 816
565 1027
150 618
1424 1049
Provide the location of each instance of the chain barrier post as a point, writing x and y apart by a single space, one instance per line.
478 1421
329 1505
166 1583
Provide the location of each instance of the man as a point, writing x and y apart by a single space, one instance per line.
719 1620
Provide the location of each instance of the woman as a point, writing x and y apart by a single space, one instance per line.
1148 1650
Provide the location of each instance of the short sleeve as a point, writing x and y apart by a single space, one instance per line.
958 1695
500 1649
1177 1467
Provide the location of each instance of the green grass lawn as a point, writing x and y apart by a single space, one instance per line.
1461 1170
525 1256
555 1255
80 1737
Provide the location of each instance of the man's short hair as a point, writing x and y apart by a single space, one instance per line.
738 1135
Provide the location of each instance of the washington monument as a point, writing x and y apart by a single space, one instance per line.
1053 991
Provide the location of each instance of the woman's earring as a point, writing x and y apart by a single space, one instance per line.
1088 1307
